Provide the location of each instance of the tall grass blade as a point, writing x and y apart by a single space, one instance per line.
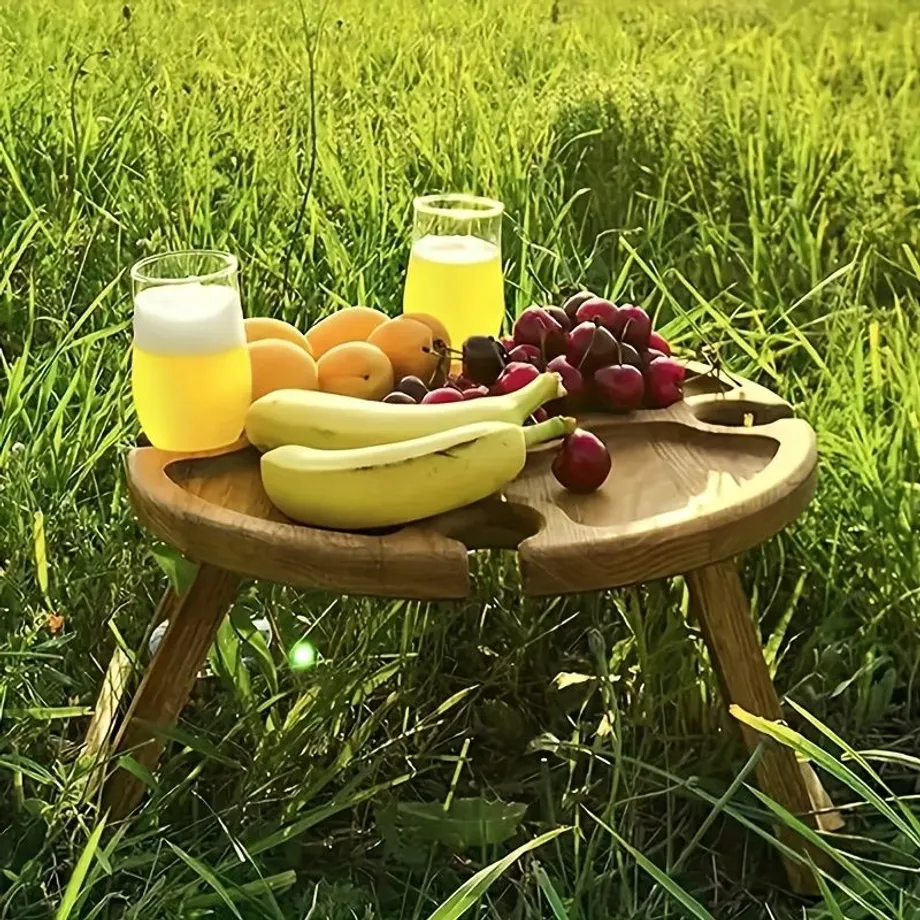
74 891
469 893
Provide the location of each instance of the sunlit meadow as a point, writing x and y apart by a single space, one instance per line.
749 172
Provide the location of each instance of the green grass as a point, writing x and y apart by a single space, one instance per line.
748 171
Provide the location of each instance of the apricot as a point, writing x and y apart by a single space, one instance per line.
355 369
353 324
265 327
439 332
441 339
280 365
410 347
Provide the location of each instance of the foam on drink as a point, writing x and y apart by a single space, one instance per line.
190 369
454 250
188 319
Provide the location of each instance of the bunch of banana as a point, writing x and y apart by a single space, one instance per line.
351 464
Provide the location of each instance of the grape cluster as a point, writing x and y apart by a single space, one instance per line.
608 356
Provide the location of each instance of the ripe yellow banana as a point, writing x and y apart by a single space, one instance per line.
331 422
389 484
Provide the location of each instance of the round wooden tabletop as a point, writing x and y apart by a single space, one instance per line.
694 484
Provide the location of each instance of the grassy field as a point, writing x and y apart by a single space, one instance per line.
750 172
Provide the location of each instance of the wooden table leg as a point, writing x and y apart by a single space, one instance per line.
168 680
719 602
102 726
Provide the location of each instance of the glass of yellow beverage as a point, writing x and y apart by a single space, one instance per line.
455 266
190 370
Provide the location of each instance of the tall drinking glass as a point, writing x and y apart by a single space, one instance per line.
190 371
455 268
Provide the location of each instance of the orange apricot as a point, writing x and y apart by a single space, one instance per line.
441 338
280 365
409 345
355 369
353 324
266 327
439 332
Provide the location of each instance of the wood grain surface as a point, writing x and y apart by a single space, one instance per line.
690 485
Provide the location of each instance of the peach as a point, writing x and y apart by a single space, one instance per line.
353 324
280 365
355 369
410 347
265 327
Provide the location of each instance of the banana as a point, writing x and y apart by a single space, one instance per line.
383 485
326 420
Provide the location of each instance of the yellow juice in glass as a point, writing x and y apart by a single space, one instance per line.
190 373
457 279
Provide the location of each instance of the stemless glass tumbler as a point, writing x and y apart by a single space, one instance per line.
190 373
455 268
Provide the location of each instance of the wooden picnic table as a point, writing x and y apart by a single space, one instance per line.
693 487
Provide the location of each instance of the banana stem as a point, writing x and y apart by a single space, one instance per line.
549 430
524 402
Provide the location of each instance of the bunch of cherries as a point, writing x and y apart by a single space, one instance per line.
608 356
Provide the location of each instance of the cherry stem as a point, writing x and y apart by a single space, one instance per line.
584 357
442 350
